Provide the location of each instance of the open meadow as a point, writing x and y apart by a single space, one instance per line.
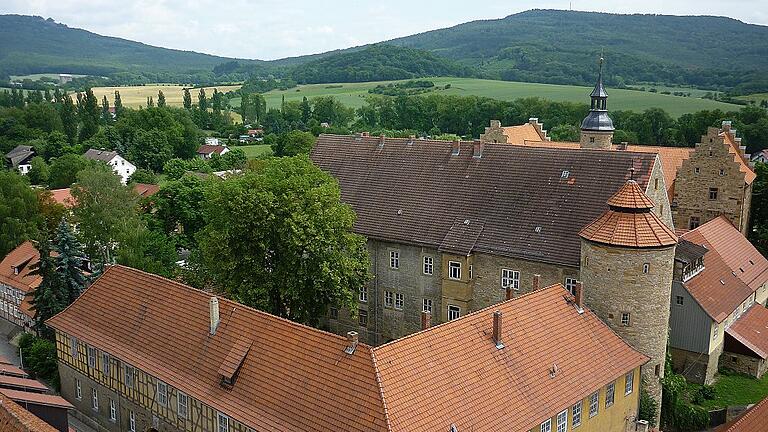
353 94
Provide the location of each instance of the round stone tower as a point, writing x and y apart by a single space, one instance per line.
627 259
597 127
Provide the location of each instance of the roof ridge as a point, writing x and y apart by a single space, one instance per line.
380 386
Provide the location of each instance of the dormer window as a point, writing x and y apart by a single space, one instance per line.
15 270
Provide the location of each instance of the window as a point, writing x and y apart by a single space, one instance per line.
363 293
510 278
562 421
656 184
91 357
715 332
696 170
576 414
591 139
712 194
646 267
694 222
132 422
394 259
223 422
722 172
182 405
428 265
546 426
629 382
112 410
388 299
78 390
453 312
334 313
454 270
565 174
105 363
679 300
399 301
129 373
73 347
471 271
610 392
162 393
362 318
427 305
593 404
625 319
570 285
94 399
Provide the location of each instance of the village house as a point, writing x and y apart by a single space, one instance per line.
206 151
17 283
138 351
119 165
20 158
718 277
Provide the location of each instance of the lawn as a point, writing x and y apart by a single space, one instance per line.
735 389
353 94
254 151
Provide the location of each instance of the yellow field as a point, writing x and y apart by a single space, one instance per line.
136 96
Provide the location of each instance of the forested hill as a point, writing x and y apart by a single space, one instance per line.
562 47
30 44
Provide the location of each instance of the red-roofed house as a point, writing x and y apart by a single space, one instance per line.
206 151
17 284
754 419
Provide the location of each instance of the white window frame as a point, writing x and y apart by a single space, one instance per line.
222 422
94 399
78 390
91 357
454 311
471 271
362 293
454 270
161 391
716 331
594 404
561 422
629 383
182 408
546 426
570 285
426 305
132 422
394 260
112 411
105 366
510 278
389 299
399 301
610 394
428 267
576 411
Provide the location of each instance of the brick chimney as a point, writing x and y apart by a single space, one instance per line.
382 138
456 148
352 341
477 149
578 293
497 330
510 293
536 282
213 305
426 320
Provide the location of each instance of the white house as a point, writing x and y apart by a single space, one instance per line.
20 158
211 141
119 165
205 151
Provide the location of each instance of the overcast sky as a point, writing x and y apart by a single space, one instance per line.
269 29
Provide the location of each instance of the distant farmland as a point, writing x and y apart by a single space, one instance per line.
135 96
353 94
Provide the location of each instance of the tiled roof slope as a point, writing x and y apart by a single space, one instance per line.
733 268
629 222
752 330
210 149
413 191
146 190
100 155
63 197
292 378
521 133
754 420
733 147
454 374
23 257
14 418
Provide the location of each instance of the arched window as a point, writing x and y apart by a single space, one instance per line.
646 267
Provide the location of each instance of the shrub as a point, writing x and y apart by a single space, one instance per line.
39 357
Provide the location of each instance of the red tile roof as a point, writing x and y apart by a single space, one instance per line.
23 258
531 202
14 418
146 190
210 149
630 222
521 133
7 381
37 398
63 197
752 330
733 268
454 374
753 420
9 369
293 377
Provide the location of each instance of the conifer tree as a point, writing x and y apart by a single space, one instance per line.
187 99
69 262
49 297
89 115
202 101
306 110
68 115
150 102
118 105
106 117
160 99
216 102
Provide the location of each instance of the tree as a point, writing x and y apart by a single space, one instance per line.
293 143
49 298
118 105
70 262
64 169
202 101
187 99
89 115
20 217
179 208
234 159
150 102
150 150
175 168
306 110
142 175
68 114
39 173
106 116
160 99
51 211
280 239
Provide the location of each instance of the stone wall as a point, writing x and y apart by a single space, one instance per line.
596 140
698 368
494 133
745 364
657 191
614 283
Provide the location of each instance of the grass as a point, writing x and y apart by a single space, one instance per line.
254 151
757 97
735 389
136 96
353 94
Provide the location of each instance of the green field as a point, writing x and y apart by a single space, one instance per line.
757 97
353 94
254 151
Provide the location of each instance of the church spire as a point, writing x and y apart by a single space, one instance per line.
597 128
599 95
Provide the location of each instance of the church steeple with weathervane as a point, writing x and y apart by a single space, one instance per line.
597 128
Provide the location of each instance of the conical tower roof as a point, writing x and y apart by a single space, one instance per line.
629 222
599 90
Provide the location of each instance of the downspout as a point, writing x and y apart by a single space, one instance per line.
376 294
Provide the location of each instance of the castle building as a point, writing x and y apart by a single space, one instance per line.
627 257
138 352
597 127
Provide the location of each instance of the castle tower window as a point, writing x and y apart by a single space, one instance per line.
712 194
646 268
656 184
696 170
591 139
722 172
625 319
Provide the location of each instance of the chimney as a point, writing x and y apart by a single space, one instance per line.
536 282
578 293
497 330
477 149
510 293
365 134
213 303
495 124
353 340
622 145
456 148
642 425
726 125
426 320
382 138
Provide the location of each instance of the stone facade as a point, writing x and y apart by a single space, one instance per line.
630 290
494 133
710 183
698 368
596 140
745 364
